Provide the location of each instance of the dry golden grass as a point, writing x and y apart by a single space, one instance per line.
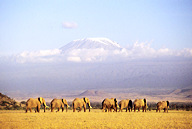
95 119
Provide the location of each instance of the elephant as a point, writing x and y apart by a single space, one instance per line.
126 103
109 104
78 103
138 103
35 103
57 103
162 105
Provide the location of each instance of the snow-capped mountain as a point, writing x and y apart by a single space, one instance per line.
91 50
91 43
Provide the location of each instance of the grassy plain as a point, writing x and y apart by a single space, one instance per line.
13 119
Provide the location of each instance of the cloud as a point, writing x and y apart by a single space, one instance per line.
69 25
135 51
74 59
140 50
187 52
89 55
38 56
40 53
144 50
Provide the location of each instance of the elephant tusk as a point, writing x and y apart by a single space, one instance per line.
90 107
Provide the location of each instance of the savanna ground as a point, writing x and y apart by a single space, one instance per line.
18 119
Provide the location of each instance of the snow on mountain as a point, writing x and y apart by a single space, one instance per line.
91 43
91 50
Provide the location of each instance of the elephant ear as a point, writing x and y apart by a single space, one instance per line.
115 100
145 102
130 103
167 103
64 101
40 99
85 100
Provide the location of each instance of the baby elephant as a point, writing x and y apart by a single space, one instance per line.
163 105
57 103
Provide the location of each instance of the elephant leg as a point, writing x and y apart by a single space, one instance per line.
58 109
38 109
74 109
52 109
134 108
143 109
80 109
166 110
139 109
26 109
30 110
62 109
84 109
103 108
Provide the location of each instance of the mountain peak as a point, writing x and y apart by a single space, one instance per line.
104 41
91 43
93 93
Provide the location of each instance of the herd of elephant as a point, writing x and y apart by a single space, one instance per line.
107 104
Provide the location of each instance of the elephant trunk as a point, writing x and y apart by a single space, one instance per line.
89 106
67 106
45 106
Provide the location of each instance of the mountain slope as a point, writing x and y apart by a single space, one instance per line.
8 103
93 93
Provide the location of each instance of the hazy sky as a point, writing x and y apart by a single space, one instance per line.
39 25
